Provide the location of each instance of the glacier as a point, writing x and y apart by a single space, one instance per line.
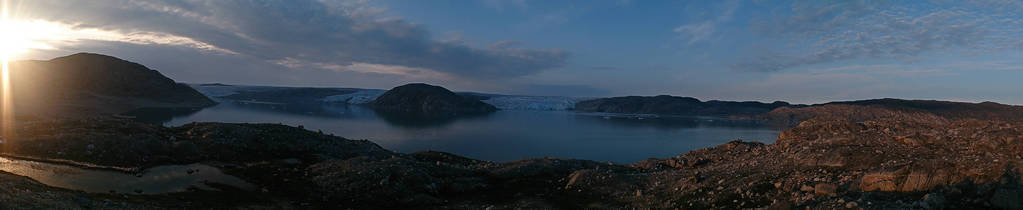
358 97
541 103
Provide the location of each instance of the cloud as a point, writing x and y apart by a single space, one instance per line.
825 33
341 33
47 35
697 32
366 68
706 30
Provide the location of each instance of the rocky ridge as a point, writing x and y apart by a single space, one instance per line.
674 105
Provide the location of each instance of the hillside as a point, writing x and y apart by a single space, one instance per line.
897 108
93 83
428 100
674 105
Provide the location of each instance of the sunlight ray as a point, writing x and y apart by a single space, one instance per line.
7 111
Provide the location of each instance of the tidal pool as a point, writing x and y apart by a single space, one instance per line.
156 180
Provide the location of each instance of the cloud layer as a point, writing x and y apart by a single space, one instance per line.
321 34
817 33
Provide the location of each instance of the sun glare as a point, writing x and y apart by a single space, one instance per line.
9 45
17 37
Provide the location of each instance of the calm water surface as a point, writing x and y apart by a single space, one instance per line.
505 135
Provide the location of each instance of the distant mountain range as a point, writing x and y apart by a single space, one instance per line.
675 105
921 110
778 111
94 83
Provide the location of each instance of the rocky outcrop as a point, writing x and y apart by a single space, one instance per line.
674 105
130 144
93 83
428 100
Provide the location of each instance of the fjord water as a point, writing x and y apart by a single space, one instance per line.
506 135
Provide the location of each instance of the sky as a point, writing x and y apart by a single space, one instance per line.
795 51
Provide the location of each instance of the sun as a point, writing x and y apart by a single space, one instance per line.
9 37
18 37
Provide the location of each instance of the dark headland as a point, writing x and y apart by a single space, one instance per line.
875 154
427 99
675 105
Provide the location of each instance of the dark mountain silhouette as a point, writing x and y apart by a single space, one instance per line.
674 105
898 108
428 100
93 83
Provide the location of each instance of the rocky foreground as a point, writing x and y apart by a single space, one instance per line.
883 159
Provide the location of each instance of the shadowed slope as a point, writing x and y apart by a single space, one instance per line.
93 83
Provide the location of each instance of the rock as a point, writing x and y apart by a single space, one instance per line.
575 177
806 188
851 205
824 189
882 181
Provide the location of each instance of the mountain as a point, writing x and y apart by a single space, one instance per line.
429 100
908 110
94 83
674 105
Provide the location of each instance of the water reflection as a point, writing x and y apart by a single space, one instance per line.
160 115
312 110
505 135
421 120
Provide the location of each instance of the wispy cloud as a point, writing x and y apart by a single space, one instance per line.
341 33
706 30
366 68
47 35
824 33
